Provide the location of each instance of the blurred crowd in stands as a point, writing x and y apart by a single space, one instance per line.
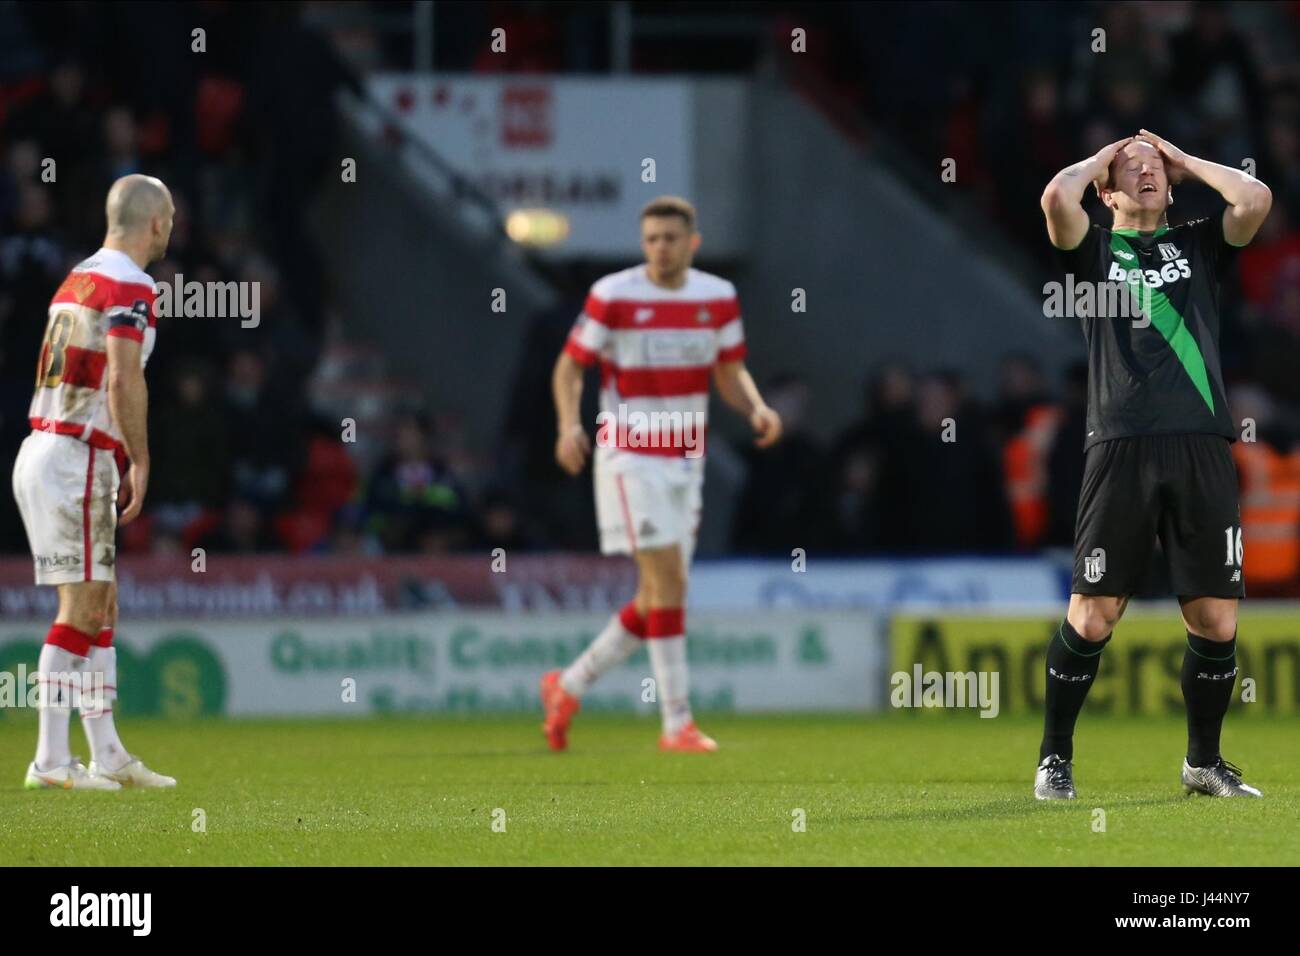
247 451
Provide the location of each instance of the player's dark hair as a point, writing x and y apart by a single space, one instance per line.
671 206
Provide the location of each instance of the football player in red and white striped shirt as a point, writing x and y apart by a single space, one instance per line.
660 333
89 410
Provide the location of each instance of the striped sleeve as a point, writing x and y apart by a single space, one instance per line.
731 335
591 332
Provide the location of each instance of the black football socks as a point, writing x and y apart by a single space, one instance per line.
1071 665
1209 672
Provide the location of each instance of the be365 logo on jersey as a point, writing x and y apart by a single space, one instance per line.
1152 278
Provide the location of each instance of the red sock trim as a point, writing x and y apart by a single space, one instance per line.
69 638
665 622
632 620
105 638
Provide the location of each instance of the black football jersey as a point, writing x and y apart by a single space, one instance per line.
1158 374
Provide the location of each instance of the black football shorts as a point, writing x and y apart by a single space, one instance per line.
1181 488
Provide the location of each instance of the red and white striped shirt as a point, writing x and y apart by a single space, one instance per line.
107 294
657 347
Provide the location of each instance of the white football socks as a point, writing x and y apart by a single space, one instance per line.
615 644
106 747
56 668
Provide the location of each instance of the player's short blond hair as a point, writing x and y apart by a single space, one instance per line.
671 206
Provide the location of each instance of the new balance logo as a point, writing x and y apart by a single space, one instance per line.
1126 256
1236 576
643 315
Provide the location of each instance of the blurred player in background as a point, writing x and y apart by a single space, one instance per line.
1158 460
659 331
90 409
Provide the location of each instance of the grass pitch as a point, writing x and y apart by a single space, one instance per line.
902 789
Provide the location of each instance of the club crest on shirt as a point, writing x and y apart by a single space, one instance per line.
1094 565
79 287
1169 252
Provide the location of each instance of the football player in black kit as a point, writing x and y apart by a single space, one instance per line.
1158 461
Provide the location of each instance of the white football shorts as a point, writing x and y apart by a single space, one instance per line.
67 496
647 501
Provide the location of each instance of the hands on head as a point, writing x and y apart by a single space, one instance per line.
1105 156
1175 159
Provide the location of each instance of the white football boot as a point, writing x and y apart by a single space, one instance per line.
1220 779
71 776
134 774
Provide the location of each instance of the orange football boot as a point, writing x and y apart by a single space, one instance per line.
689 740
560 706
